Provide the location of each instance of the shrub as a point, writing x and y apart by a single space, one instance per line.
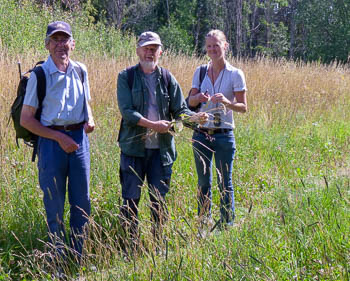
28 33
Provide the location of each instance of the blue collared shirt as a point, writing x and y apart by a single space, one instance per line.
64 102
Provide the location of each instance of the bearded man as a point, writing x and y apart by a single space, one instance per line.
149 97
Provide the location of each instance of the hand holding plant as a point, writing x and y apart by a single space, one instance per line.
200 118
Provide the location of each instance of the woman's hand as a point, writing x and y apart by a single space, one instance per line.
202 97
197 97
238 105
220 98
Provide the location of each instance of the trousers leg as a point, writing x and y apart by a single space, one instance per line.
158 178
225 148
132 174
203 155
52 180
79 191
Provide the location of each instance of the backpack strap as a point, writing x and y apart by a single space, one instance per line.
41 92
166 77
80 73
130 72
202 72
41 89
166 80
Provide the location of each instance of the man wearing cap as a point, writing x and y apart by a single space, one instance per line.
147 104
63 145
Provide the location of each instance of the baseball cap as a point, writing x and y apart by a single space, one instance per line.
58 26
148 38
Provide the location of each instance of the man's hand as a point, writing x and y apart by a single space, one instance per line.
89 126
161 126
66 143
200 117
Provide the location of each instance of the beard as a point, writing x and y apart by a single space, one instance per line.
148 65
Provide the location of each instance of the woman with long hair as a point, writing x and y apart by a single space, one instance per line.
221 91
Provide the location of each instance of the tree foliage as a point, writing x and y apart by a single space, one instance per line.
296 29
23 27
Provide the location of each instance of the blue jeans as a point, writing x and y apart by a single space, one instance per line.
222 146
55 166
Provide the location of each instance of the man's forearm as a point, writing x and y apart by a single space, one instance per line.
143 122
160 126
29 122
89 111
37 128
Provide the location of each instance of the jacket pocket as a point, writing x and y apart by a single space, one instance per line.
165 104
137 99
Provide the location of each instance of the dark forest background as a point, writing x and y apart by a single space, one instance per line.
296 29
307 30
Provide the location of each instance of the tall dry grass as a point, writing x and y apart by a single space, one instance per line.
306 88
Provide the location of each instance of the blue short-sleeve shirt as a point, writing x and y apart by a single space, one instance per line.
64 102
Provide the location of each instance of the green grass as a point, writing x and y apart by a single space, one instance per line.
292 202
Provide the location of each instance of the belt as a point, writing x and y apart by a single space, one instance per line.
67 128
215 131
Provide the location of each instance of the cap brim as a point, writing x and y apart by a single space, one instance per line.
149 43
58 30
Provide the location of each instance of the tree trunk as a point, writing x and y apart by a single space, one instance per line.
268 18
202 26
228 23
238 21
116 12
292 28
167 12
253 27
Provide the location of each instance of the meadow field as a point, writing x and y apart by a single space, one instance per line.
291 178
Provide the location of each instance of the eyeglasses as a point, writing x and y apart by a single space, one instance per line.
61 41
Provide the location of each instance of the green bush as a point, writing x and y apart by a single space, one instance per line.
23 26
176 39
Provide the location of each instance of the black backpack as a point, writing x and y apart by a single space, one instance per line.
22 133
16 109
202 71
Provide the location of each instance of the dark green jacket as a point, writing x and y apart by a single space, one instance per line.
134 104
